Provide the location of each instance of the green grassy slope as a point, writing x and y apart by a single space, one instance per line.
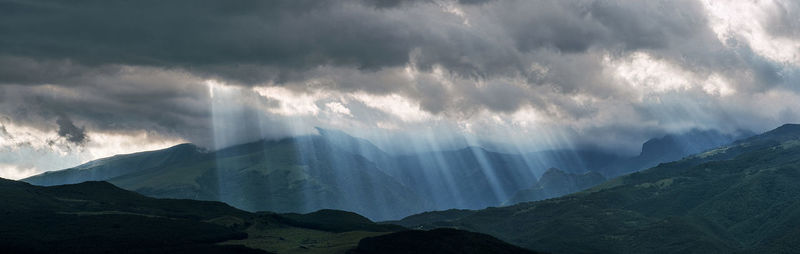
739 198
107 168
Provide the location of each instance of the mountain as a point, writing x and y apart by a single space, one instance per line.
587 168
572 161
355 145
107 168
334 170
475 178
741 197
556 183
300 174
433 219
671 147
97 217
470 178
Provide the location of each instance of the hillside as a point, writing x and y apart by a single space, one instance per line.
308 173
118 165
97 217
436 241
671 147
301 174
743 197
556 183
471 178
334 170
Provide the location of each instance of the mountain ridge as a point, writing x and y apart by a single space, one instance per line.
741 197
338 171
555 183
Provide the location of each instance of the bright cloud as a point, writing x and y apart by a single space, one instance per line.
746 20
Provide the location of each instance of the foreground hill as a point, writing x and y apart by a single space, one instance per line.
436 241
97 217
743 197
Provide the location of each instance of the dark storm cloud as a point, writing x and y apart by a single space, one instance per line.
124 99
256 41
202 34
4 132
575 26
70 132
133 65
247 42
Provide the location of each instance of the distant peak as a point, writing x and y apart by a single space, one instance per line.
789 127
554 171
185 146
783 133
90 186
332 132
96 184
786 129
475 148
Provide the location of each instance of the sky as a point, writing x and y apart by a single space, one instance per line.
82 80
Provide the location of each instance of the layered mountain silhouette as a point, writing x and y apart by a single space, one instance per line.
670 148
334 170
556 183
301 174
738 198
98 217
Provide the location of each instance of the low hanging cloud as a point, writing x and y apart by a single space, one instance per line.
4 133
72 133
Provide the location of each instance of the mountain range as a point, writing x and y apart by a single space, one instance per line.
556 183
258 176
334 170
741 197
738 198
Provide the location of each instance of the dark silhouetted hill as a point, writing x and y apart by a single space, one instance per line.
436 241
